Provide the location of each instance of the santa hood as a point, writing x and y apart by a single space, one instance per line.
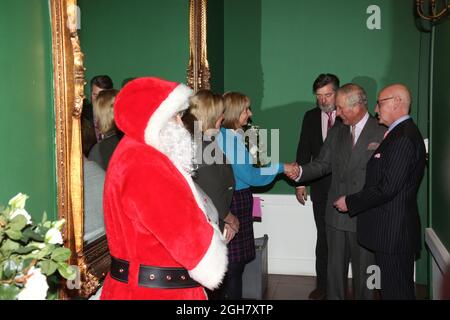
145 105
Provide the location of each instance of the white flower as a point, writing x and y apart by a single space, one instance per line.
18 201
22 212
36 286
53 236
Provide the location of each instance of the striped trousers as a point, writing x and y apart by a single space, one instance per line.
397 276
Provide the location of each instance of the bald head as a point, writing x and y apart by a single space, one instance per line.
394 102
402 93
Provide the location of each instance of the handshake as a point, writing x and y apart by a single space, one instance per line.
292 170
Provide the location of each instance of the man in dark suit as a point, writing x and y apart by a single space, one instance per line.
315 126
388 219
348 147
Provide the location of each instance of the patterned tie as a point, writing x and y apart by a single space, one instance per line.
330 120
353 135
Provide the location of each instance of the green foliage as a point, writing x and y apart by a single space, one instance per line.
30 250
61 254
8 292
48 267
68 272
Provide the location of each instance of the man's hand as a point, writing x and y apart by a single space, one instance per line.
291 170
302 194
341 205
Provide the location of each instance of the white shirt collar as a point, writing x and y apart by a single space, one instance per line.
360 126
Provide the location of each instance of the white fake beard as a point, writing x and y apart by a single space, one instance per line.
177 144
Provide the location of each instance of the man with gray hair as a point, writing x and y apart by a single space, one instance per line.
345 153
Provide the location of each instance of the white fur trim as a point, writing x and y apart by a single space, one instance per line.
210 271
198 198
176 101
190 182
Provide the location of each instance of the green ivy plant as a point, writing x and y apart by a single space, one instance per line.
29 253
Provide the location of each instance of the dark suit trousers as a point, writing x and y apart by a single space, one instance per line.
397 276
232 284
231 287
319 208
343 245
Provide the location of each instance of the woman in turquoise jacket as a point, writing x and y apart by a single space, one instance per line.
241 249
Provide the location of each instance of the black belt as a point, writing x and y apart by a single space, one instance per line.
153 277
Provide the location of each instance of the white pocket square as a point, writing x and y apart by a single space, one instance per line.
377 156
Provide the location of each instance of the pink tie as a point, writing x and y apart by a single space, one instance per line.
330 120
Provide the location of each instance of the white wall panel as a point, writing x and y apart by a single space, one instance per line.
292 234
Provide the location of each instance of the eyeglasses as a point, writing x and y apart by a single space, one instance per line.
381 100
325 95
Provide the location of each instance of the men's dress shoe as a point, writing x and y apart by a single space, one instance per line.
317 294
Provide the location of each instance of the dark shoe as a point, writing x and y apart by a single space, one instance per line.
317 294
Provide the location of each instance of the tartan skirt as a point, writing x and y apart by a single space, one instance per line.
242 247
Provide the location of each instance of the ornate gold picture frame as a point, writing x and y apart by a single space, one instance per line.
68 66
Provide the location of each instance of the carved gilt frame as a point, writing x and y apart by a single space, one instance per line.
198 68
68 73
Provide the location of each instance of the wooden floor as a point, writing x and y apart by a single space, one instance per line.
287 287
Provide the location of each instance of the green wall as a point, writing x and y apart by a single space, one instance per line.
421 105
440 139
215 43
135 38
27 161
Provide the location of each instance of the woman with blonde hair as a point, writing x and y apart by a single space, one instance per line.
102 151
213 174
241 249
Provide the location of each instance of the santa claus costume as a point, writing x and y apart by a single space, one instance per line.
161 242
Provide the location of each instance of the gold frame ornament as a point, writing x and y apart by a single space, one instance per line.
198 68
68 75
92 260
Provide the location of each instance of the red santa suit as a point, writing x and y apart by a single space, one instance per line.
153 214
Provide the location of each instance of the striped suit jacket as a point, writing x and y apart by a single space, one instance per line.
388 217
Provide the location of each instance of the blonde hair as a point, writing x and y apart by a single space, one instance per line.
235 103
104 110
207 107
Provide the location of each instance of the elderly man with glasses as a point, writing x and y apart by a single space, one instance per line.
387 210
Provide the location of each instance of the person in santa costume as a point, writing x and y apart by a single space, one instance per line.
162 243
